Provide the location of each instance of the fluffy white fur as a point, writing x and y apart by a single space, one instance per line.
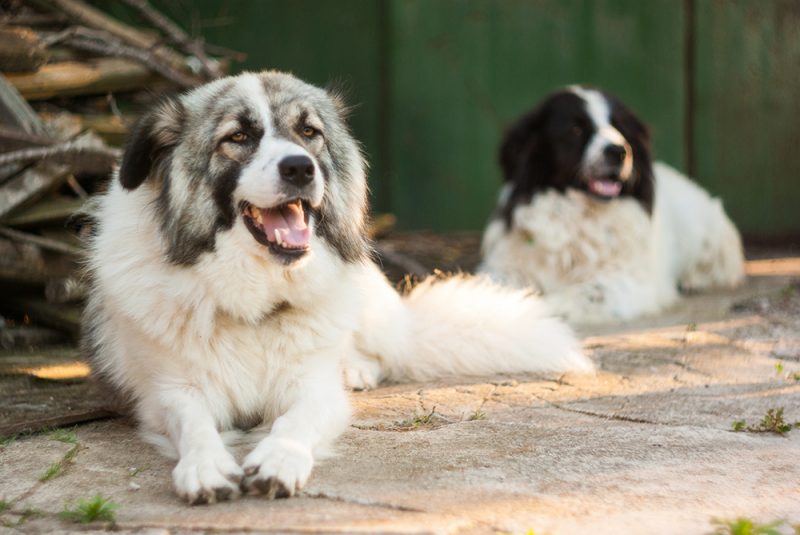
240 338
598 261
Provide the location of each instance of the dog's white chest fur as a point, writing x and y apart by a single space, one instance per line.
558 240
233 325
599 261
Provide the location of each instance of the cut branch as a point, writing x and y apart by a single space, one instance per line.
404 262
44 243
86 15
30 185
104 43
69 78
21 50
46 212
176 35
14 111
68 148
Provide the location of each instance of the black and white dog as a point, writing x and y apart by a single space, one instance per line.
587 218
232 286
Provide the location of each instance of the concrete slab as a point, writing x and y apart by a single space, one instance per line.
645 446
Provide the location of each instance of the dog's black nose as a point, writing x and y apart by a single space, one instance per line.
297 170
614 154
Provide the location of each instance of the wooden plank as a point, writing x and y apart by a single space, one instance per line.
25 336
101 75
747 120
67 290
87 15
30 185
15 112
62 317
20 50
87 153
22 263
47 211
29 424
16 138
46 243
111 128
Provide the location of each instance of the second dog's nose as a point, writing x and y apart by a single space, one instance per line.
297 170
614 154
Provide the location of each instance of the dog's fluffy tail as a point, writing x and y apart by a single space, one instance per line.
463 325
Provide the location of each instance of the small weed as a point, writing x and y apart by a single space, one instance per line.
420 420
4 505
57 467
67 436
23 517
789 376
90 510
477 415
133 471
745 526
772 422
691 327
788 291
7 440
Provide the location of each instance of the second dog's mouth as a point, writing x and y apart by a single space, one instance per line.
283 229
606 187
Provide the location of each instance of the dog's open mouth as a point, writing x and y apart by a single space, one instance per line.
605 187
283 229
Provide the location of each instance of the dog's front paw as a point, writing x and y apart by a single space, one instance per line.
207 477
277 468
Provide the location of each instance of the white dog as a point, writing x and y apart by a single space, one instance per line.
586 218
231 280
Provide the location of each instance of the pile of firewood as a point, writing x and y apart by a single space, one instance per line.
72 80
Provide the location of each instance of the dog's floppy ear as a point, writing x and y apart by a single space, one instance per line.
519 140
153 136
638 135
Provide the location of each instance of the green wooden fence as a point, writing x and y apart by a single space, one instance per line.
436 81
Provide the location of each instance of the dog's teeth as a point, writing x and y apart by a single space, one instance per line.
277 236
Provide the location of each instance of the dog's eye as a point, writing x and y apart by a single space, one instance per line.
576 131
309 131
238 137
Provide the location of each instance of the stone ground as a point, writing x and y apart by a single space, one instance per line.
644 446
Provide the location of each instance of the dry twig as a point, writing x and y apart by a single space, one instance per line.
60 149
177 36
102 42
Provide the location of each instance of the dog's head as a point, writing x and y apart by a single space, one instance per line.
578 138
265 151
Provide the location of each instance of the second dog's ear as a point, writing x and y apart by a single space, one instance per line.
150 140
518 141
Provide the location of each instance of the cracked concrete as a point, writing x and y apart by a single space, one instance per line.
644 446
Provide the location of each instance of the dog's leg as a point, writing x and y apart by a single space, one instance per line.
281 463
612 297
360 371
206 472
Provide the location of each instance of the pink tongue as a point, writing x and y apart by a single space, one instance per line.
606 188
290 222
